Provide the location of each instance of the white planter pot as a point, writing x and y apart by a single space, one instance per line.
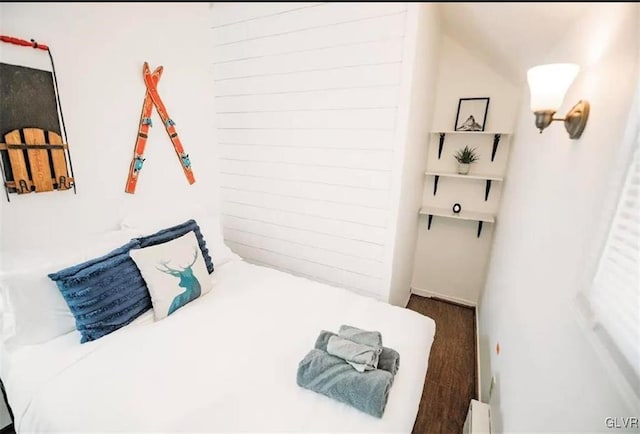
463 168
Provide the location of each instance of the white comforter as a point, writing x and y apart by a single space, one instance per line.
224 363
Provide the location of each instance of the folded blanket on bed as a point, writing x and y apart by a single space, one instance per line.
331 376
389 359
361 357
364 337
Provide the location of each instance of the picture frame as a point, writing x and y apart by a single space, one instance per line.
472 114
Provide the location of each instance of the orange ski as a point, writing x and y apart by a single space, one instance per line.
141 139
152 98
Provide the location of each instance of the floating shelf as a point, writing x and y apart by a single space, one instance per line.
486 178
472 132
457 175
480 217
462 215
496 139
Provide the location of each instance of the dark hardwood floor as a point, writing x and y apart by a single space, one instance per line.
450 383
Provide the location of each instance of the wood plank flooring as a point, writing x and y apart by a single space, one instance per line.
450 383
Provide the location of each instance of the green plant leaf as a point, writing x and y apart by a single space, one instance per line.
466 155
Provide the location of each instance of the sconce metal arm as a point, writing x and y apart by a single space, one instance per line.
574 121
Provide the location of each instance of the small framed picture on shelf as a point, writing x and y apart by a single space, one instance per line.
472 114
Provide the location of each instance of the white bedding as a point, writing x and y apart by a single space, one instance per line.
223 363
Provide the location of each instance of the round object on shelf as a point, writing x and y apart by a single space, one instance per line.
457 208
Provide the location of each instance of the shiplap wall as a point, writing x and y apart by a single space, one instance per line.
306 100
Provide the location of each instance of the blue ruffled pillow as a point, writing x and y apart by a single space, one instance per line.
174 232
107 293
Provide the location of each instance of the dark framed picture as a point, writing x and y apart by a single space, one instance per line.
472 114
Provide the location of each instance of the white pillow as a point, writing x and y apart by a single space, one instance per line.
210 226
33 309
175 273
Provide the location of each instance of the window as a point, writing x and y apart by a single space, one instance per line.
614 296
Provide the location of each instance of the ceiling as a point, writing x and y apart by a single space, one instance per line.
510 36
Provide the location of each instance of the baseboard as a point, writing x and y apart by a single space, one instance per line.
478 375
431 294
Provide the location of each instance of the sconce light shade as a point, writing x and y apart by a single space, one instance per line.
549 83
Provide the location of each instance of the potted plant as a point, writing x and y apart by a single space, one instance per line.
465 157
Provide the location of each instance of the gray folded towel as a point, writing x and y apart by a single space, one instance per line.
364 337
389 359
361 357
331 376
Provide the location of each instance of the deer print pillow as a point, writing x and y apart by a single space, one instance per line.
174 272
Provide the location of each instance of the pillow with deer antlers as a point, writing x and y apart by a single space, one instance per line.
174 272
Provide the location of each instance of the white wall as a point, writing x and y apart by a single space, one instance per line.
559 193
99 50
419 79
450 261
307 105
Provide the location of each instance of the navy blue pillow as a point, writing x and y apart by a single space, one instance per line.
105 293
175 232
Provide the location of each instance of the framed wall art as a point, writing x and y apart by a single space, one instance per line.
472 114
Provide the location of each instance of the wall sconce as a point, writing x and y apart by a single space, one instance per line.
548 85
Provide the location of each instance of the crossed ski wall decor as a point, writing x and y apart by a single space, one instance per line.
151 99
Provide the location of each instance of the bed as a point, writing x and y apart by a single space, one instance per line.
225 362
